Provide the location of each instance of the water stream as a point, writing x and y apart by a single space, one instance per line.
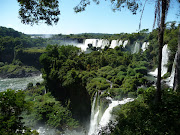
18 83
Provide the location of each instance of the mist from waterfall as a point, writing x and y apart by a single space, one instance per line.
136 48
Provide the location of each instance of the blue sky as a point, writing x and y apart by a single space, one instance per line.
96 19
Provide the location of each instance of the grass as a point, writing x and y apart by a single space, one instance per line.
35 50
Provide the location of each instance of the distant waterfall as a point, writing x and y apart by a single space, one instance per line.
165 56
91 41
170 80
125 43
136 48
145 46
120 42
114 43
97 122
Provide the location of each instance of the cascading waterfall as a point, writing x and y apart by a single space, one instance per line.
114 43
102 43
165 55
145 46
120 42
97 123
125 43
94 42
136 48
170 80
91 41
105 119
94 116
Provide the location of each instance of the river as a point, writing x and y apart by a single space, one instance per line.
18 83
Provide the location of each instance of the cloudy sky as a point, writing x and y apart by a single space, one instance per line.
96 19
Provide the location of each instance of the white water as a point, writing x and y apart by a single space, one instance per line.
145 46
18 83
165 52
114 43
94 115
125 43
107 114
136 48
165 56
95 124
170 80
100 43
120 42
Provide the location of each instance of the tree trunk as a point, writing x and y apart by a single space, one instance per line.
160 40
177 67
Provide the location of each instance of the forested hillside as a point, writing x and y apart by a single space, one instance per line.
72 80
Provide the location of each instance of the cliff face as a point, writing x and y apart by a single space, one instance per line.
29 59
75 97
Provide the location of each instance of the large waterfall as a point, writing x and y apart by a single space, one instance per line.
101 43
170 80
99 121
165 56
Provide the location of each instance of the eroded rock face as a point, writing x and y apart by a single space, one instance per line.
75 97
80 104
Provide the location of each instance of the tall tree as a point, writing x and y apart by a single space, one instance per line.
161 12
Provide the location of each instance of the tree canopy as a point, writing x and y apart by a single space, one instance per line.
34 11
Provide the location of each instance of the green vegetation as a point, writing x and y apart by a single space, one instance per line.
143 116
17 69
12 104
71 79
46 110
34 50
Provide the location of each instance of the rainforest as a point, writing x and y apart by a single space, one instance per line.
88 83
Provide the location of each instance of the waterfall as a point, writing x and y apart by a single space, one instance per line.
114 43
136 48
145 46
91 41
97 123
103 42
125 43
170 80
105 119
94 116
165 55
120 42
